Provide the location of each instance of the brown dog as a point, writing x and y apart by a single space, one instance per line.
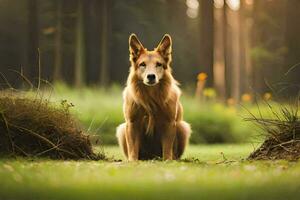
153 114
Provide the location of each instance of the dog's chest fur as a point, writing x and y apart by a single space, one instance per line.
152 108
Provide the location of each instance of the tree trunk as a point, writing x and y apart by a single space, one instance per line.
292 40
219 53
245 46
228 50
248 46
233 17
257 37
207 37
104 44
92 34
242 50
33 42
58 43
80 46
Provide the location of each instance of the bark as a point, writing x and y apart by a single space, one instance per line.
58 43
245 48
32 68
104 44
233 17
207 38
80 46
292 40
219 53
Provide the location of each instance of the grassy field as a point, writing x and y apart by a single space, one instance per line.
209 172
205 172
100 111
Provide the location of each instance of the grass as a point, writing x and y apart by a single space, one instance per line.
210 175
205 172
100 110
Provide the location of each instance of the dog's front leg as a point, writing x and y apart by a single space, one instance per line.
133 141
168 139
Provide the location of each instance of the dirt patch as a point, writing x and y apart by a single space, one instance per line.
31 126
282 135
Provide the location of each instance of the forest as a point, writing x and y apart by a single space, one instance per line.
244 47
64 65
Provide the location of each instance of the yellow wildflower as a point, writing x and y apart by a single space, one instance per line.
202 76
267 96
246 97
210 93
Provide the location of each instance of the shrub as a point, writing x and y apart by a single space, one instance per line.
215 122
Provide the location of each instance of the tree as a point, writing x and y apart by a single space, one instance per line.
235 78
268 45
58 42
104 43
80 46
207 38
219 52
292 40
32 68
228 51
246 22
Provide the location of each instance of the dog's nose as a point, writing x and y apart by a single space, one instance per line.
151 77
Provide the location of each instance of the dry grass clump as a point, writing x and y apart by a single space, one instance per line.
31 126
282 135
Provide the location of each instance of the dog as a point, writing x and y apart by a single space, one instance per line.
154 126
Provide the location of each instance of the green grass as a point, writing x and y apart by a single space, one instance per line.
100 111
214 175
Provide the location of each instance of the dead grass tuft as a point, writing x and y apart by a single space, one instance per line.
282 134
31 126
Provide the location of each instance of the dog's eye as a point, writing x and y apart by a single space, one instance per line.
143 64
158 64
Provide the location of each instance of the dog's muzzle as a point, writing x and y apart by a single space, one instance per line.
151 79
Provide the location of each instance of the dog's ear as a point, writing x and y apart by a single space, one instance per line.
165 47
135 47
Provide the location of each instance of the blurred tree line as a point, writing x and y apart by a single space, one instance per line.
243 46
